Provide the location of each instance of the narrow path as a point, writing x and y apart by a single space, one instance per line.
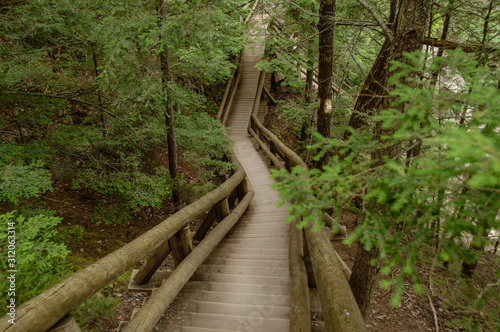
244 285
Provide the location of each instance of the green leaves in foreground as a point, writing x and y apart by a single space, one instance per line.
435 201
39 260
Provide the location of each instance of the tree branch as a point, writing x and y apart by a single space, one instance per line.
65 98
377 18
448 45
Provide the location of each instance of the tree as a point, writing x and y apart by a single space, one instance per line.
166 79
326 28
406 35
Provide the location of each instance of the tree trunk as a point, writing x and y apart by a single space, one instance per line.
325 89
326 28
407 36
392 11
363 277
99 99
169 115
444 35
304 136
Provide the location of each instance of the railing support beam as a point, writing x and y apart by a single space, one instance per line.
181 245
152 264
205 225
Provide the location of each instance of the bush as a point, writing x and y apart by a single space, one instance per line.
39 260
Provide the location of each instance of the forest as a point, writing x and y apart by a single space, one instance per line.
108 123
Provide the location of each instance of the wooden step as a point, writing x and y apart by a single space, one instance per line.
227 309
244 270
227 322
275 299
263 227
242 279
236 234
282 263
223 255
280 249
256 242
177 328
254 251
224 287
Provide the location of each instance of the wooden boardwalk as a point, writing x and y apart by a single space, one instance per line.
244 285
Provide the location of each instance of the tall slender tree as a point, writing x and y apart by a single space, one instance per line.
406 35
326 28
166 80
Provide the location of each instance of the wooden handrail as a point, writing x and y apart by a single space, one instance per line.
231 85
300 307
340 309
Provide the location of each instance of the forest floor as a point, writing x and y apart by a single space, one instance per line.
415 312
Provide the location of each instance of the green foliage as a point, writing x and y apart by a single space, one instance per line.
40 260
297 113
134 189
204 142
83 82
96 309
23 181
193 191
21 175
103 305
444 197
286 65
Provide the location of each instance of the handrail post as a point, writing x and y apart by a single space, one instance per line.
205 225
152 264
243 188
288 164
181 245
222 209
272 148
232 198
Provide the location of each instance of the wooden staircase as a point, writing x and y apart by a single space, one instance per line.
244 284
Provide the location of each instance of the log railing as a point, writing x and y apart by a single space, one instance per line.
226 203
340 310
227 98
